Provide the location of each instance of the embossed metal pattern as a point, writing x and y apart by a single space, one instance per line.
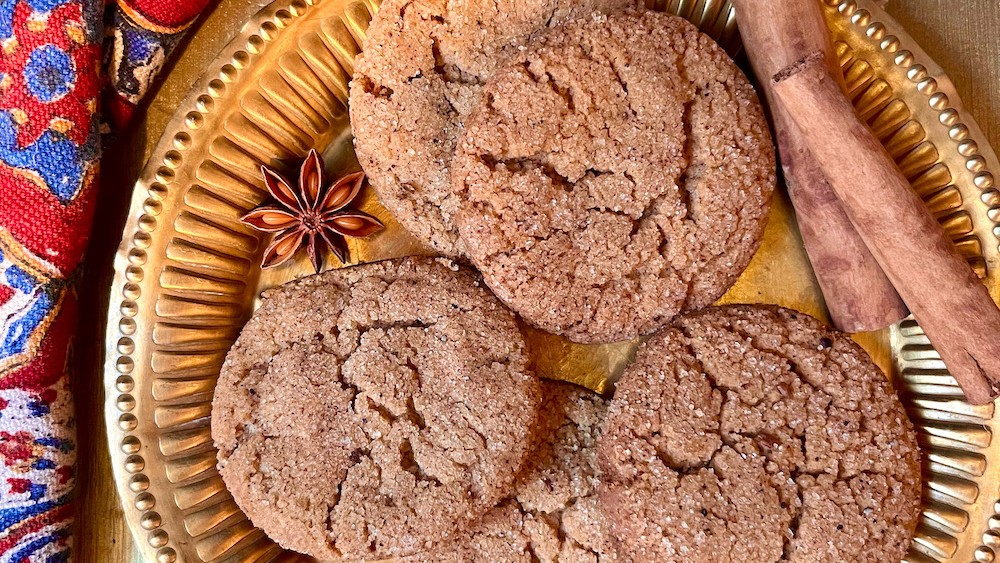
186 275
909 106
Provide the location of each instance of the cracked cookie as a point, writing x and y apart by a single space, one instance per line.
752 433
372 411
552 514
615 173
419 76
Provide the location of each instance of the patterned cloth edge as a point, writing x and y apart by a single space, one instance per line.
51 77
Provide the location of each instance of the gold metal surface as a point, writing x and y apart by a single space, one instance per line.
186 276
915 111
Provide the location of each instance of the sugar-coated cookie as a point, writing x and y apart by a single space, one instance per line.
373 411
420 74
750 433
616 172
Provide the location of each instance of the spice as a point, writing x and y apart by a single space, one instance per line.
311 216
951 304
857 292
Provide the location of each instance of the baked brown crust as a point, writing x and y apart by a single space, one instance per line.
552 516
616 172
372 411
750 433
419 76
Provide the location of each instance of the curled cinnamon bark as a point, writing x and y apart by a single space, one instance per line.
945 295
859 296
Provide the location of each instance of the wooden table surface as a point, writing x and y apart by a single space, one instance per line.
963 37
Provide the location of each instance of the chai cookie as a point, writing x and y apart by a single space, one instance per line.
552 514
750 433
616 172
419 76
369 412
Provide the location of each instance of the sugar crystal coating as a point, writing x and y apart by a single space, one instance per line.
373 411
418 78
751 433
616 172
552 515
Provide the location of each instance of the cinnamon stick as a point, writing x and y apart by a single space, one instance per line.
949 301
859 296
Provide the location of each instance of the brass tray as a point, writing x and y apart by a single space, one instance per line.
186 275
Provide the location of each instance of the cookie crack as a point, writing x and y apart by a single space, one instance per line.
413 414
787 539
754 437
686 186
539 162
793 367
747 214
403 9
380 409
623 84
393 325
692 171
872 495
795 473
687 339
567 184
776 352
551 16
526 164
409 464
780 353
374 89
548 79
449 73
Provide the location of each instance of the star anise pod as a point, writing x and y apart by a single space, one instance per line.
313 216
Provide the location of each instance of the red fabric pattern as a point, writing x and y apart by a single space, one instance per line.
50 77
173 16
